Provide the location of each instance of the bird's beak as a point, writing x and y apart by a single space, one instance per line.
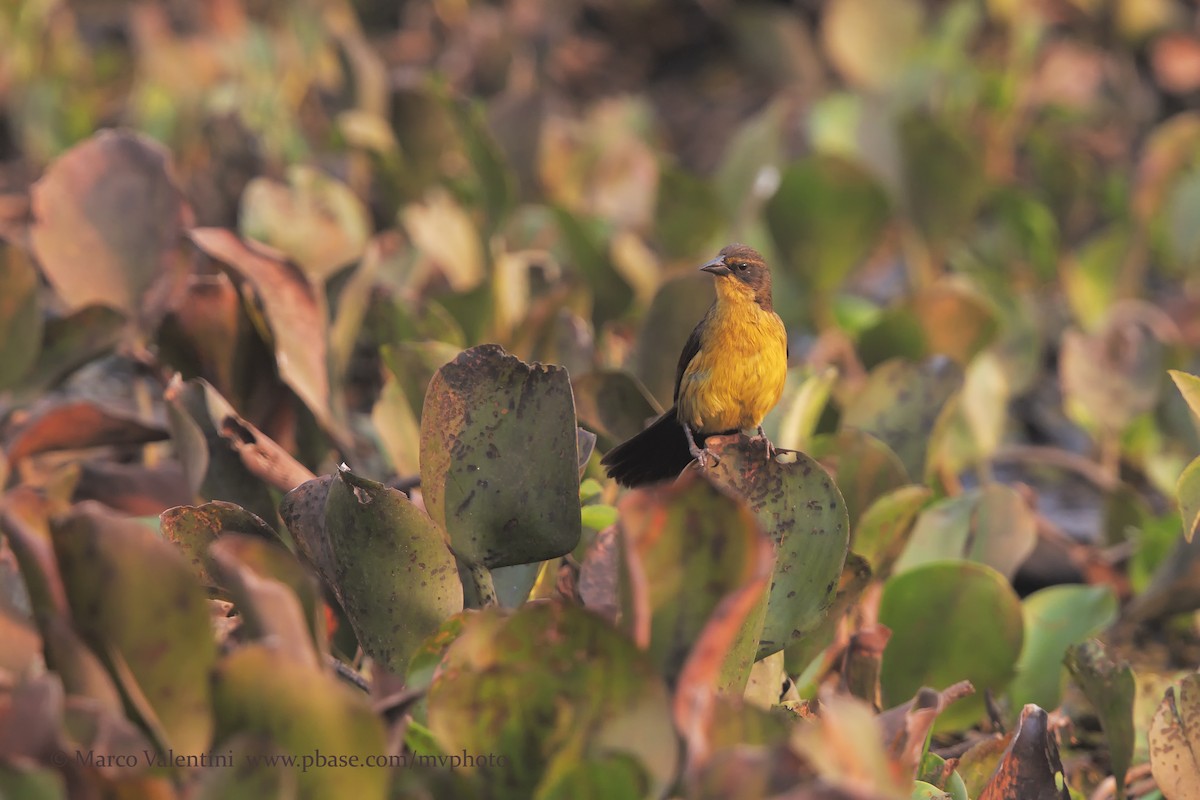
717 267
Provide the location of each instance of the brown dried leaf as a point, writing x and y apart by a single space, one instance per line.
108 219
74 425
295 310
1031 768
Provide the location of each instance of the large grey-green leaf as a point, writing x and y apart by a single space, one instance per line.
499 459
393 572
802 510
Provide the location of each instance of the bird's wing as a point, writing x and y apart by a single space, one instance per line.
690 348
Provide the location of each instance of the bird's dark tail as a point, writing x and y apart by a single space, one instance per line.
658 453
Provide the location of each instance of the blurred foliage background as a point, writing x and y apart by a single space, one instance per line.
983 218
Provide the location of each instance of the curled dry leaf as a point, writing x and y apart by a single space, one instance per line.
295 310
74 425
1031 768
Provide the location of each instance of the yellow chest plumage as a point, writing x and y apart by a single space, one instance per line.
737 375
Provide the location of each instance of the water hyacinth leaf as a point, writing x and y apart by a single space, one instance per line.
395 576
613 402
934 612
944 182
278 599
303 512
884 528
584 245
133 599
687 212
1187 493
695 543
900 404
957 320
447 239
596 694
1109 687
77 424
414 364
213 469
314 219
676 308
802 409
1175 740
193 528
252 775
1092 273
294 309
754 154
20 315
869 41
993 525
1055 619
502 501
825 218
937 773
1110 377
1189 387
108 224
863 467
925 791
25 522
1031 767
802 511
70 342
263 692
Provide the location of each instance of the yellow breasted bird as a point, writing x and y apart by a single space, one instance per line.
730 374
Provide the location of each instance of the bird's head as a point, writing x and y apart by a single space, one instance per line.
741 274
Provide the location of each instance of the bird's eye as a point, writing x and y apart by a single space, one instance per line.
740 266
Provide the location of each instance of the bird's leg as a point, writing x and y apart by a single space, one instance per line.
761 437
702 455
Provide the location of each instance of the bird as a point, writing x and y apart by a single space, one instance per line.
730 374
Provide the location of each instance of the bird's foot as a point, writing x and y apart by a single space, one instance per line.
704 457
761 438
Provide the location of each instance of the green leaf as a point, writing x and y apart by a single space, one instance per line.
549 687
1055 619
394 574
502 501
1109 687
802 511
1187 492
306 713
993 525
134 600
20 315
197 414
678 306
900 404
694 544
863 467
934 611
193 528
613 403
885 527
1189 387
314 219
870 41
825 218
944 182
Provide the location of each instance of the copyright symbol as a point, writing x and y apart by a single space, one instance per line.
59 758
